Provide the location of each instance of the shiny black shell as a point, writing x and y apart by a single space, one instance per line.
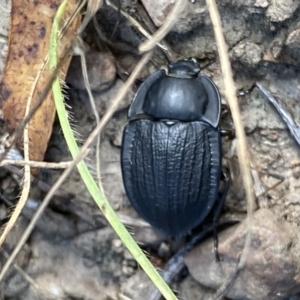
171 149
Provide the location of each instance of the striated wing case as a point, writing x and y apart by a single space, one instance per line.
171 173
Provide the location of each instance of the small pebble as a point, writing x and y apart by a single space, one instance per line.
101 71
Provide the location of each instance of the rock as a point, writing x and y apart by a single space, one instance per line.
293 40
278 43
75 268
275 153
280 10
261 3
14 283
15 286
80 101
192 15
198 40
101 71
247 53
4 31
190 289
137 286
52 224
3 212
271 270
292 45
159 10
111 173
3 54
148 236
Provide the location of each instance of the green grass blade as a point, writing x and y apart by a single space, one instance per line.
86 176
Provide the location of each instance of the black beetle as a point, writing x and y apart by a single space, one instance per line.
171 149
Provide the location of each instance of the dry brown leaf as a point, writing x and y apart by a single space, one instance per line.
31 24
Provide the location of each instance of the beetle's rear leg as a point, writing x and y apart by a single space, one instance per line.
244 92
226 132
217 212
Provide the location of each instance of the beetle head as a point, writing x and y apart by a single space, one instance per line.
184 69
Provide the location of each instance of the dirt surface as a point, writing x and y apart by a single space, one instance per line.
73 253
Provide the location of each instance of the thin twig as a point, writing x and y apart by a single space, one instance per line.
242 149
35 164
79 50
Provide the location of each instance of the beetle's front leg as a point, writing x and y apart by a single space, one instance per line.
217 212
227 133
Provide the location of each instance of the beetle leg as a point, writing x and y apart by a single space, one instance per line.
224 108
217 212
243 93
227 132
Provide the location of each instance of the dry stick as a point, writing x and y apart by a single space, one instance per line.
165 28
242 151
92 7
35 164
83 152
79 50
